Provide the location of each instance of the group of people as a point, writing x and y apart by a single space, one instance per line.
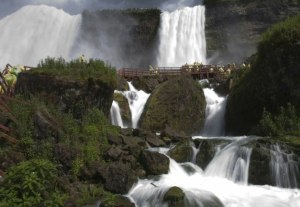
8 78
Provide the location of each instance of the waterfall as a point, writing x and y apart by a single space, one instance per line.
136 100
232 163
182 37
215 111
284 169
115 114
224 181
35 32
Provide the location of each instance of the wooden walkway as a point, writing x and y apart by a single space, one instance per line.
196 71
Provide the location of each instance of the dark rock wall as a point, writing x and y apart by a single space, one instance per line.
233 28
70 95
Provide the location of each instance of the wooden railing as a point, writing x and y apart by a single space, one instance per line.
197 71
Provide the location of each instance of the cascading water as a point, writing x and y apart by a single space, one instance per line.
284 169
136 100
215 111
115 114
182 37
223 183
35 32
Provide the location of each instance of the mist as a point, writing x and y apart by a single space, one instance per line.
77 6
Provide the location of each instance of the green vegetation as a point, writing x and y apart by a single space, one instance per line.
285 123
78 69
271 83
57 139
32 183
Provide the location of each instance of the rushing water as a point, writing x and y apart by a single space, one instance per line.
35 32
215 111
115 115
182 37
137 100
224 180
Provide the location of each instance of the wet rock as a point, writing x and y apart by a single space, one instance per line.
117 177
154 163
207 150
124 108
182 152
174 197
174 136
152 139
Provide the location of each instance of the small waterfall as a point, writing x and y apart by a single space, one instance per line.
115 114
136 100
232 163
284 169
215 111
205 189
182 37
35 32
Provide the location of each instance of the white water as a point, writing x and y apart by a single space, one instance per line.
115 114
215 111
202 187
136 100
35 32
182 37
284 169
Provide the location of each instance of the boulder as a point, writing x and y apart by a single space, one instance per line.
117 177
178 103
145 84
207 150
152 139
182 152
174 197
154 163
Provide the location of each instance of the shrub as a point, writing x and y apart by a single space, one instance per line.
32 183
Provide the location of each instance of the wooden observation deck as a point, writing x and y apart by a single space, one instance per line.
199 72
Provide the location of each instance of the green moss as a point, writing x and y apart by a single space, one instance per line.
178 103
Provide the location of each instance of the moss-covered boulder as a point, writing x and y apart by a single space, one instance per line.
117 201
178 103
271 83
124 108
174 197
182 152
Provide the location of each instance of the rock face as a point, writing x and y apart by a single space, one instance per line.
124 108
70 95
234 28
178 103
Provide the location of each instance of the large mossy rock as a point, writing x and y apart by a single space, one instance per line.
70 94
178 103
174 197
271 83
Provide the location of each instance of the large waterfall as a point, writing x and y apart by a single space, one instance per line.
182 37
35 32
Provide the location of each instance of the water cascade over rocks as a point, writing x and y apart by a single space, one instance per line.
35 32
115 115
136 100
215 111
182 37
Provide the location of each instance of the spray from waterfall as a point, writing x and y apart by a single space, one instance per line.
182 37
35 32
